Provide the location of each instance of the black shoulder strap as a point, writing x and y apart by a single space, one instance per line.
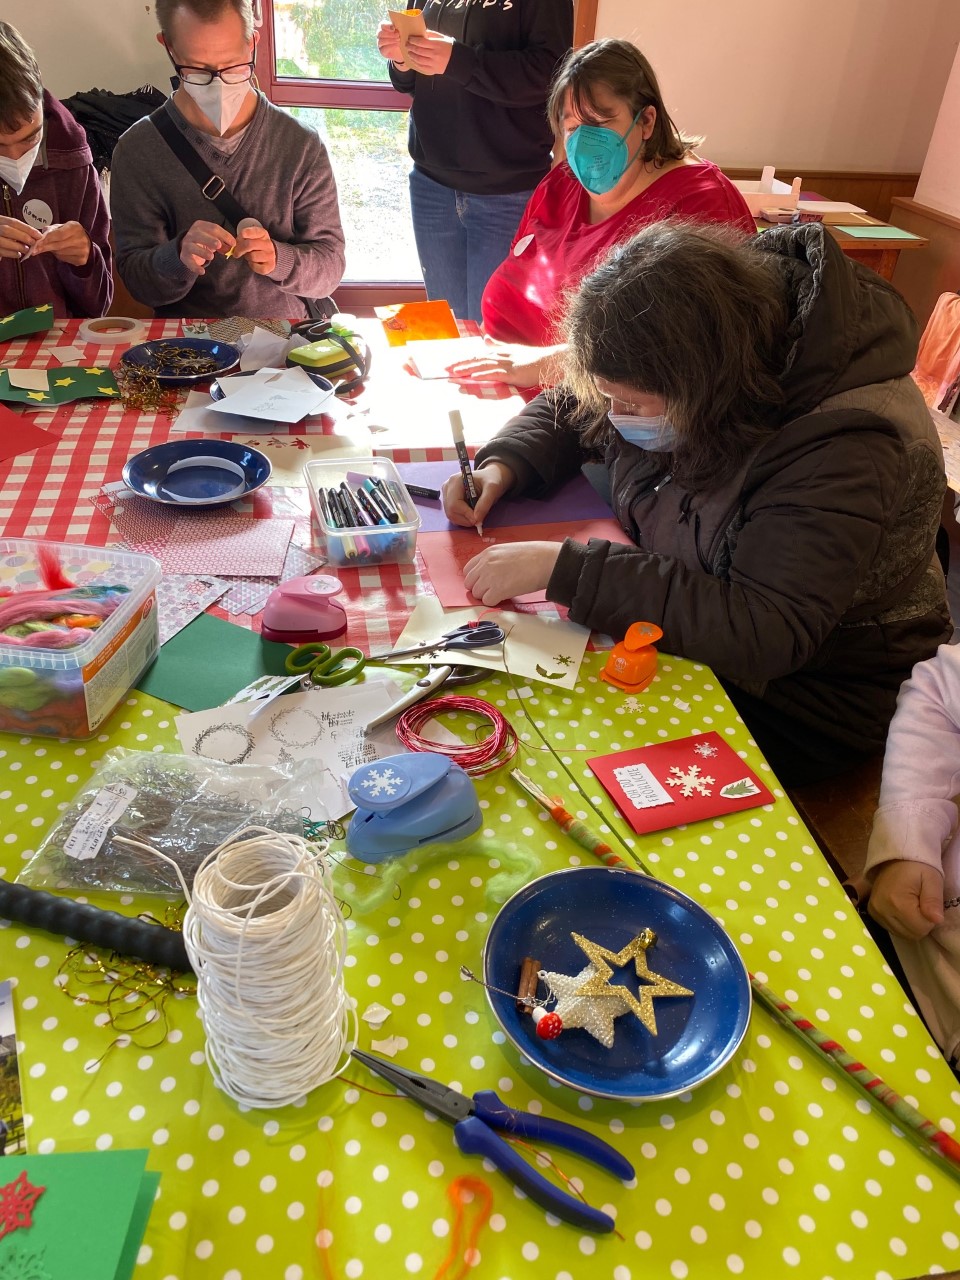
211 184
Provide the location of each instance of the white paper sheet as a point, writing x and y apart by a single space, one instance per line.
67 355
324 724
29 379
285 395
262 348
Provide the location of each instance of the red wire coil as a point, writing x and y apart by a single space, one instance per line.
494 751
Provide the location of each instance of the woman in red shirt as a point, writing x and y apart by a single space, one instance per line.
627 164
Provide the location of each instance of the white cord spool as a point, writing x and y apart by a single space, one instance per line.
267 942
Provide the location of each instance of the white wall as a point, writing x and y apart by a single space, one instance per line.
853 85
102 44
939 185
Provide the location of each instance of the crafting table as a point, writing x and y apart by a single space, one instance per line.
774 1167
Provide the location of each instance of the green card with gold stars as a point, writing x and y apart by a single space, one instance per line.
62 385
29 320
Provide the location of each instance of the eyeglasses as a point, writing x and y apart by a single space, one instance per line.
239 74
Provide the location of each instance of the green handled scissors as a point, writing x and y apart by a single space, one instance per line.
323 665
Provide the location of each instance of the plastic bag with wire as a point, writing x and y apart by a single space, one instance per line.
183 806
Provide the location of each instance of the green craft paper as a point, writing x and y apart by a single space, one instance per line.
30 320
66 384
90 1219
209 661
878 233
146 1195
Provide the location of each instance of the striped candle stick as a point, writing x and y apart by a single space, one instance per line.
574 827
930 1137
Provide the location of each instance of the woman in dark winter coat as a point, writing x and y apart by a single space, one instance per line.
772 461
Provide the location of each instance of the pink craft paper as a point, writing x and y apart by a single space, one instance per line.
445 553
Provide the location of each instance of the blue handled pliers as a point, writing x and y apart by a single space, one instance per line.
478 1122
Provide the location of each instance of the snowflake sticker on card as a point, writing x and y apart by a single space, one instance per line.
670 784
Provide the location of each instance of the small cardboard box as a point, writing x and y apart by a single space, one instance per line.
768 192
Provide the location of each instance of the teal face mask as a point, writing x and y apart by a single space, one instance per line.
598 156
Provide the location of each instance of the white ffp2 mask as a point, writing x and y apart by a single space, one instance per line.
16 172
219 102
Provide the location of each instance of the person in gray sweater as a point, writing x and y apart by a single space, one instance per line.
175 252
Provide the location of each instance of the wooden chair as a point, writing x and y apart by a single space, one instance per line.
839 814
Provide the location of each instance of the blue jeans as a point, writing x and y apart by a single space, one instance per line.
461 239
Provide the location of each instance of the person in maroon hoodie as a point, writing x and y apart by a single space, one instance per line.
54 225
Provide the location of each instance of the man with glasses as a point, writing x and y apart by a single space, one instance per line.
222 203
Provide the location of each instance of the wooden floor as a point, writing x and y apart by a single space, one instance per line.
839 813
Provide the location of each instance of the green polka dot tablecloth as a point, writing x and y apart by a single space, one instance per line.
775 1167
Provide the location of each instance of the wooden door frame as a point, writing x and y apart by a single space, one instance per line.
584 21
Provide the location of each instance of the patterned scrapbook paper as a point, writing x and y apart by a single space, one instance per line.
230 545
181 598
221 541
249 595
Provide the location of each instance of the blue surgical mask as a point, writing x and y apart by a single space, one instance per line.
598 156
657 434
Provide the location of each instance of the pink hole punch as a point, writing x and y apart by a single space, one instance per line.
302 611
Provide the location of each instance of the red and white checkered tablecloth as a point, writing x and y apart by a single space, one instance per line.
49 493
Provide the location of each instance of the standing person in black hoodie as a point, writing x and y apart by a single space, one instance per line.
479 134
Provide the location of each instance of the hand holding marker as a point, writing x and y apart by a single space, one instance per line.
469 488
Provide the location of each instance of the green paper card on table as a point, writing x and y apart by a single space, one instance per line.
209 661
29 320
63 385
80 1214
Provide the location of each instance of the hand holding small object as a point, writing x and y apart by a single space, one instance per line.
67 241
201 242
492 481
389 46
430 54
517 365
502 572
16 238
255 244
907 898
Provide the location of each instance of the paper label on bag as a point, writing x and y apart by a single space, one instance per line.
87 837
641 788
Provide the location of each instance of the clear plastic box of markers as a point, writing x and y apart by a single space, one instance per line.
362 511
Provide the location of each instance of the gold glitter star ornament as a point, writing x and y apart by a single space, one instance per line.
598 985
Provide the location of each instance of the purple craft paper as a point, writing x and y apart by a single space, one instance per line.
576 500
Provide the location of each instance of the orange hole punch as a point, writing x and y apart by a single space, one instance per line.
633 662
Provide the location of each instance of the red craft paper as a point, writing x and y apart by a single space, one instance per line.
19 435
446 552
699 765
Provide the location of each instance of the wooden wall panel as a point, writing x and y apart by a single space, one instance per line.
872 191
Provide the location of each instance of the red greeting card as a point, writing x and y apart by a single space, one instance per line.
672 783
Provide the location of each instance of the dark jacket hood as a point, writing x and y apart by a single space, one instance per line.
848 327
65 144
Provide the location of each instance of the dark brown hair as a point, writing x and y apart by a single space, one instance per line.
21 90
205 11
693 314
619 66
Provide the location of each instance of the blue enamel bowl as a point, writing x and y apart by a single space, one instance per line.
146 356
696 1035
197 473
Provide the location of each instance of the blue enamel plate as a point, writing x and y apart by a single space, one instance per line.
197 473
318 380
696 1035
156 358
